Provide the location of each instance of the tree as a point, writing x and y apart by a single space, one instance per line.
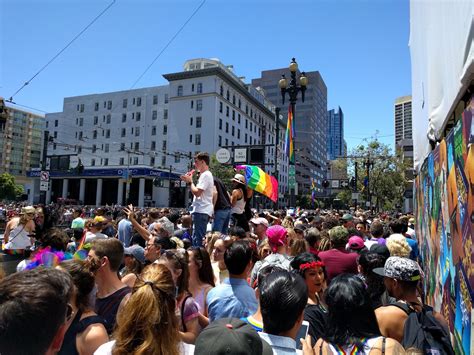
9 190
381 174
224 172
345 196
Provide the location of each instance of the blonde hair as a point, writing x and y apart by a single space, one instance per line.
147 323
263 245
298 246
414 351
211 239
398 246
287 222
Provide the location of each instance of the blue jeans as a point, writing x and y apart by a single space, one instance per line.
221 221
200 227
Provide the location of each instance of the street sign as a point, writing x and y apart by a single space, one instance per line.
344 183
44 185
183 183
240 155
335 184
355 196
73 162
44 176
223 156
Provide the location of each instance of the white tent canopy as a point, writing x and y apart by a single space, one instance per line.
442 60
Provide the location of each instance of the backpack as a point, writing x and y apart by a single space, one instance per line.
422 331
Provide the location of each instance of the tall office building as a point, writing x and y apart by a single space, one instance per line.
310 125
20 144
335 134
404 143
126 139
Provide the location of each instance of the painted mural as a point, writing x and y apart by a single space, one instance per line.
444 200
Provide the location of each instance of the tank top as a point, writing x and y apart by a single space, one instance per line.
364 349
107 307
18 238
239 206
77 326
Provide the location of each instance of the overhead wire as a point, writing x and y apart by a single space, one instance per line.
63 49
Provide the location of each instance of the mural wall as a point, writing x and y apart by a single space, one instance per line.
444 200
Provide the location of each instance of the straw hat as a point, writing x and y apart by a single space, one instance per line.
239 178
28 210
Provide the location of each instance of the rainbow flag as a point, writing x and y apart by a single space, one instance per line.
313 191
289 136
260 181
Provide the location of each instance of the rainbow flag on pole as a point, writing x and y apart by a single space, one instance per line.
289 136
260 181
313 191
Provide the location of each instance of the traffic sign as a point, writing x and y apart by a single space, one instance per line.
355 196
344 183
223 156
44 176
44 185
240 155
335 184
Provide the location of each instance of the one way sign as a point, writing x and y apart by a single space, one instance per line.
344 183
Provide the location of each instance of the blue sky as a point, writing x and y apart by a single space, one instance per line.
360 48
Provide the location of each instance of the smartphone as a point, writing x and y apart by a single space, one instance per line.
302 333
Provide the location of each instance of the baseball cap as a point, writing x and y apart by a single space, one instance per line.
380 249
399 268
355 242
259 220
347 217
136 251
276 236
230 336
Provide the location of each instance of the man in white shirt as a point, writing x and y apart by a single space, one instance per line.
202 207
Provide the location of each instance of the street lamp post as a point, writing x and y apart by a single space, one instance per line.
292 90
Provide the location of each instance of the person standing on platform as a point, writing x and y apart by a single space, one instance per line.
202 207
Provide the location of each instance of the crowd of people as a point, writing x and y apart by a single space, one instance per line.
219 279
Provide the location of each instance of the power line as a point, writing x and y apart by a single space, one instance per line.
169 42
62 50
28 107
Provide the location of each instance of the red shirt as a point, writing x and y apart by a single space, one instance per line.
339 261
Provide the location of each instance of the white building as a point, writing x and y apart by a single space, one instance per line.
150 132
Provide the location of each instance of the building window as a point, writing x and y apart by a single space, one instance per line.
245 137
124 103
122 161
233 131
220 141
138 116
228 95
164 146
107 133
139 101
233 115
124 117
246 109
240 103
55 135
190 138
153 145
109 105
233 99
198 139
227 127
227 111
165 129
135 161
124 132
238 118
192 103
106 150
166 98
220 107
94 134
199 88
190 121
93 162
163 160
180 90
81 121
220 123
152 161
122 146
198 105
80 135
155 99
226 142
222 91
55 123
137 145
198 122
79 149
238 133
109 118
250 126
82 107
96 106
165 114
153 131
96 119
177 158
137 131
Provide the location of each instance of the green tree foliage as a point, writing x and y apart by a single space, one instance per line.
387 174
9 190
223 172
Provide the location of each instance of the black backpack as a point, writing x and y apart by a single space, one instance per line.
422 331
